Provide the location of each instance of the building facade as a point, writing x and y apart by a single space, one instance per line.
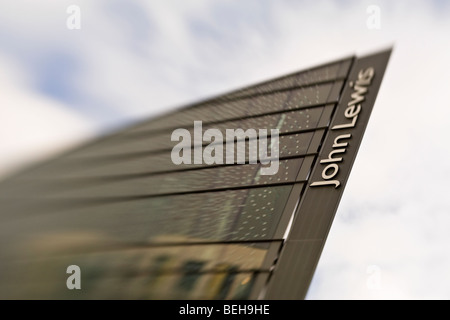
145 214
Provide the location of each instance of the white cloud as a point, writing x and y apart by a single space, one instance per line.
33 127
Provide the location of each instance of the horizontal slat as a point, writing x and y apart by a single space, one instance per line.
181 182
289 146
232 108
296 80
232 215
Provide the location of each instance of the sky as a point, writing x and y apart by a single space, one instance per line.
131 60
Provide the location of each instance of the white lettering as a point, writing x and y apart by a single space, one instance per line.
374 19
216 147
196 310
73 281
351 112
184 147
213 152
73 21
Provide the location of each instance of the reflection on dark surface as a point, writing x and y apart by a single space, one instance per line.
167 272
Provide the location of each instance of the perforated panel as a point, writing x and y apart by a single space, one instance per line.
289 121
